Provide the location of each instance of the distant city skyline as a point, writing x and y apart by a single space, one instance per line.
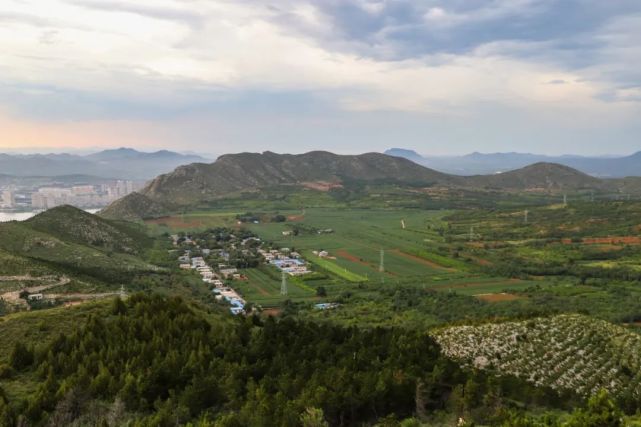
348 76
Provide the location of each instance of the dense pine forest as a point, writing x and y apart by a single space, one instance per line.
159 361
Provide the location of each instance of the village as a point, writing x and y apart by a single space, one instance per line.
219 256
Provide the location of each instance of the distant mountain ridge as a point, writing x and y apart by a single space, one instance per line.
481 163
200 183
121 163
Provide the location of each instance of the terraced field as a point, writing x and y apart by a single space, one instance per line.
566 352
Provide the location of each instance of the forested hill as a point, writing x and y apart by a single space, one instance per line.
72 224
539 176
199 183
68 240
158 361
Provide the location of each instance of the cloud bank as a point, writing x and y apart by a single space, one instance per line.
344 75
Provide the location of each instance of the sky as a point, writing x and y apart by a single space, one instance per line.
348 76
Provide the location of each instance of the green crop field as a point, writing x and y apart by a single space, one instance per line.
190 221
359 236
336 269
263 287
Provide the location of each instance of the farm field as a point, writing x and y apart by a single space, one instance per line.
358 236
198 220
263 287
599 240
355 245
415 253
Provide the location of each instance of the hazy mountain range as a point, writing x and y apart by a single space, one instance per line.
199 183
121 163
479 163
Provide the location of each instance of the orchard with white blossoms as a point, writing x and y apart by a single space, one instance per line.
565 352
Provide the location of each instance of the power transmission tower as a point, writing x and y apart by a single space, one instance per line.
592 195
565 199
283 284
471 233
525 215
123 294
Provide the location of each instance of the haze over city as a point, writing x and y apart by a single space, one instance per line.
212 77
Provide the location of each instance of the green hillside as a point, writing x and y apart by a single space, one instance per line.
541 177
75 241
160 361
75 225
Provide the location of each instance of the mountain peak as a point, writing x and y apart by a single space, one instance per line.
232 173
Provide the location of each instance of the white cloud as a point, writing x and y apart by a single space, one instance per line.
150 53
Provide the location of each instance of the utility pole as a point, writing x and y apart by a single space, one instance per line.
592 196
471 233
525 215
283 285
565 199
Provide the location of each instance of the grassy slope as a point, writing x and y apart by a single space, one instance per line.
68 240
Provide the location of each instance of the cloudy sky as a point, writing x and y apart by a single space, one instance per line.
441 77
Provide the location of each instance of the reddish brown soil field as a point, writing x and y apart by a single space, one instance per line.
480 261
420 260
322 185
480 245
295 218
349 257
260 290
612 240
481 284
497 297
271 312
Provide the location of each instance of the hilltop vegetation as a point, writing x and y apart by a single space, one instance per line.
541 177
161 362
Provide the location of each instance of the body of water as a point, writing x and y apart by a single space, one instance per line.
21 216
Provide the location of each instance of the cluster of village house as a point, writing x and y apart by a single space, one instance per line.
208 275
285 260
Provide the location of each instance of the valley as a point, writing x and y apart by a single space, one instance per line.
530 296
